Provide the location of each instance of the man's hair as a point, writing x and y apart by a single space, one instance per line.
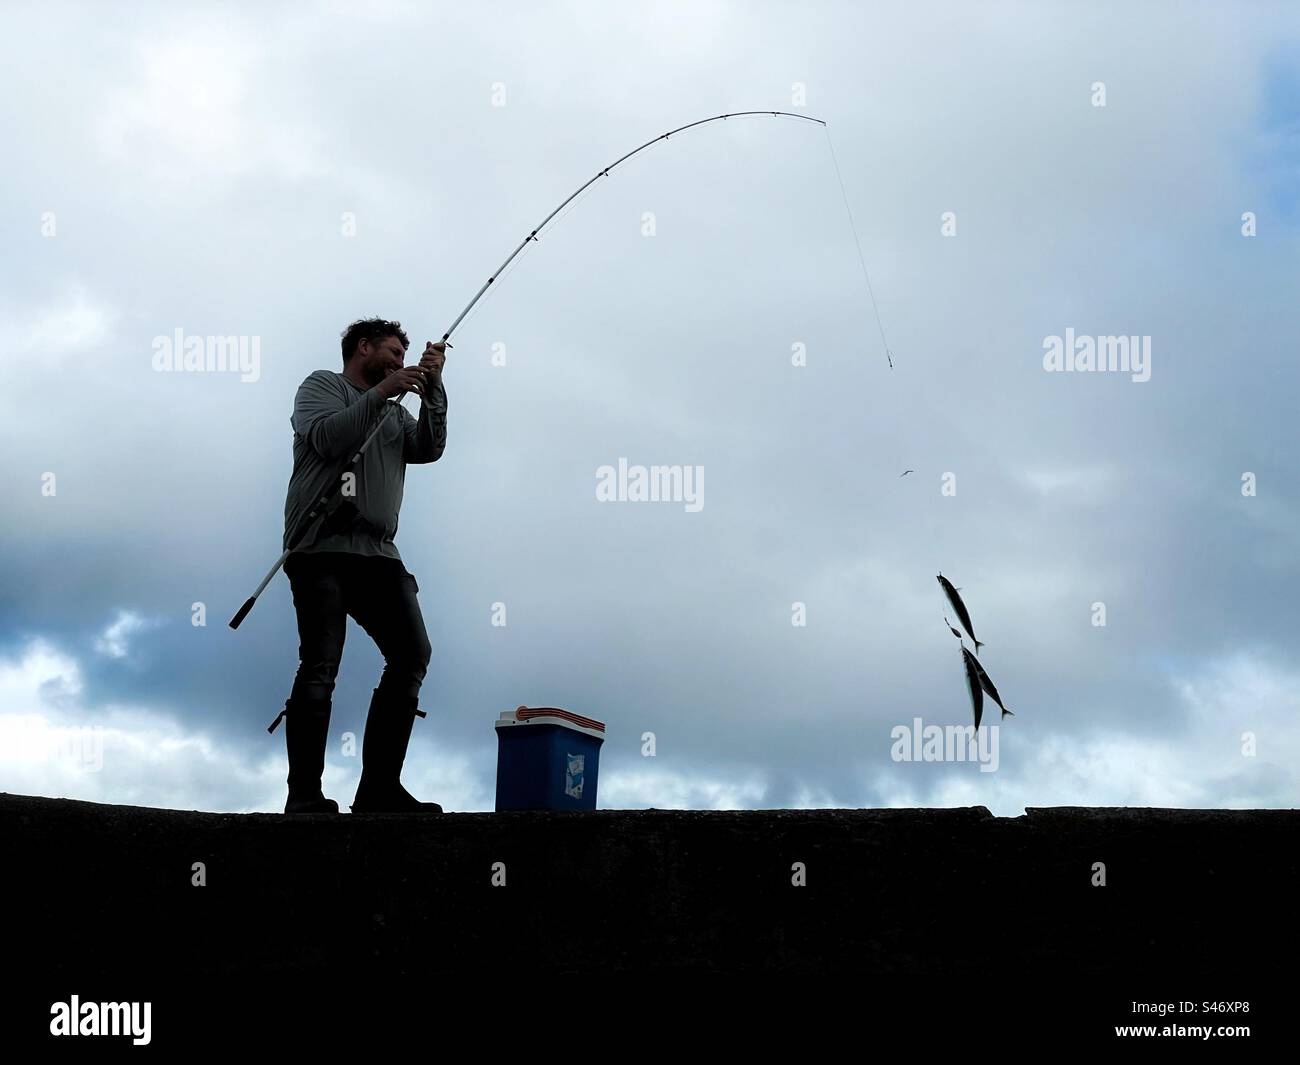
371 329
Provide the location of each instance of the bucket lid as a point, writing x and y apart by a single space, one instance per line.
551 715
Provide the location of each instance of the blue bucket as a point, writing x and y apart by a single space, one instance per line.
547 759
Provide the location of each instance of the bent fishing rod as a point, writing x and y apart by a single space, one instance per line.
319 512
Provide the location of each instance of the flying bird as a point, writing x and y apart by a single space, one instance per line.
906 472
962 614
986 683
973 683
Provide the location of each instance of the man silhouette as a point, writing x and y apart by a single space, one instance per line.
351 566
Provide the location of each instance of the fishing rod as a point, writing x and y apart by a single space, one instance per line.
318 514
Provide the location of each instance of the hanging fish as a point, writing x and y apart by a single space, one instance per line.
950 628
962 614
973 683
988 685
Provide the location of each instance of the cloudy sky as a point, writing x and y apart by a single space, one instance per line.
1015 171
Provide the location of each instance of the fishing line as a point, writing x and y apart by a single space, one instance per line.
861 258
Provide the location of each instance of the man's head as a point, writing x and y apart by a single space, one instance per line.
373 348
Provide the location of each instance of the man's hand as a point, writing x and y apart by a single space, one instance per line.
433 358
399 382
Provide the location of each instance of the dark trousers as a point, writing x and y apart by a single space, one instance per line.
379 594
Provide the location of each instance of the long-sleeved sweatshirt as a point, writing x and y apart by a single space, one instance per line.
331 418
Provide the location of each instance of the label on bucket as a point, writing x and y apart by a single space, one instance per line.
573 775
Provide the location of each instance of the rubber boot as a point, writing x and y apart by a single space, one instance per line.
306 731
383 750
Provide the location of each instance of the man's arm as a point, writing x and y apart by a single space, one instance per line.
332 428
426 439
426 436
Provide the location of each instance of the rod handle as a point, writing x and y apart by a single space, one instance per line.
243 612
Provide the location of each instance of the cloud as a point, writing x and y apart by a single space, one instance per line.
1082 485
54 741
115 640
75 323
666 789
1231 706
199 160
189 116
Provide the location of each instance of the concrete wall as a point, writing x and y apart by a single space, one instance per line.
107 889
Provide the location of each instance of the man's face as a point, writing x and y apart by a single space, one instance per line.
380 358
